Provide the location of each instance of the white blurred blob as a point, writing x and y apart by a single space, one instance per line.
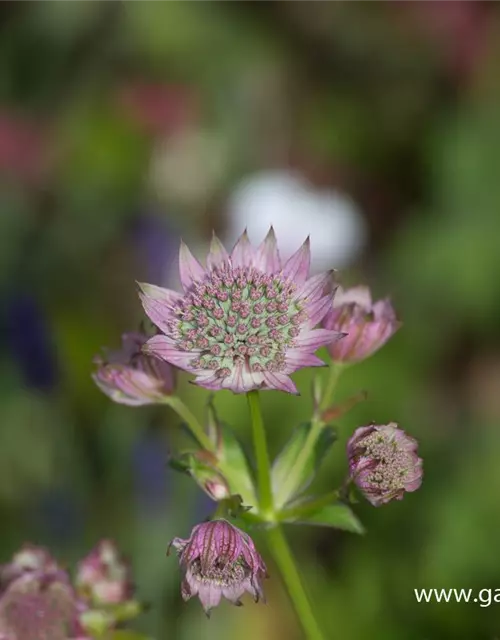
296 209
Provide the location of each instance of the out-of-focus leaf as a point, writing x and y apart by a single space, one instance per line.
285 463
337 516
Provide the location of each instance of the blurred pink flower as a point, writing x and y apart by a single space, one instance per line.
457 28
37 601
128 376
22 148
383 462
104 577
158 108
245 321
219 561
368 325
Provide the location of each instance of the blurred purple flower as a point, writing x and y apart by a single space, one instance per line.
383 462
156 245
368 325
104 576
129 376
150 472
29 340
245 322
219 560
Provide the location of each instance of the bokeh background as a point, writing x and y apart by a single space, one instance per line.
373 126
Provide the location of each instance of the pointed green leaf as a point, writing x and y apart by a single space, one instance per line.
338 516
285 463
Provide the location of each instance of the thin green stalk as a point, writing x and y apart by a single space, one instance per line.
261 454
331 383
286 564
192 422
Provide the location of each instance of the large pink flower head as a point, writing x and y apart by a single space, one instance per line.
384 463
104 576
368 325
219 560
245 321
128 376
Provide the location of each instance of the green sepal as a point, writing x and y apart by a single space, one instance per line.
202 466
285 464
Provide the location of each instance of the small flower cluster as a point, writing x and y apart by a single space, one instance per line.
384 463
38 600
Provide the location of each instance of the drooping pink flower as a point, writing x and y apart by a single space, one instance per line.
219 560
37 601
245 321
383 462
131 377
368 325
104 577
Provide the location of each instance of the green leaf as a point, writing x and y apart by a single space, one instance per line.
231 458
285 463
338 516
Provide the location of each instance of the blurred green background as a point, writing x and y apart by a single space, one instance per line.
126 126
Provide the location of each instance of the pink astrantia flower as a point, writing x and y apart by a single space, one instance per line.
245 321
368 325
37 601
384 463
219 560
104 577
130 377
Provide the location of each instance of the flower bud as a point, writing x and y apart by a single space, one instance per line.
129 376
383 462
103 577
368 325
219 560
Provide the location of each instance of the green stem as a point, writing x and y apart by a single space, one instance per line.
317 424
333 377
286 564
192 422
261 454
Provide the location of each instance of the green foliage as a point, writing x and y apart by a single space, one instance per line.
284 464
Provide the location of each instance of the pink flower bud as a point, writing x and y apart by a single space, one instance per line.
368 325
383 462
131 377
